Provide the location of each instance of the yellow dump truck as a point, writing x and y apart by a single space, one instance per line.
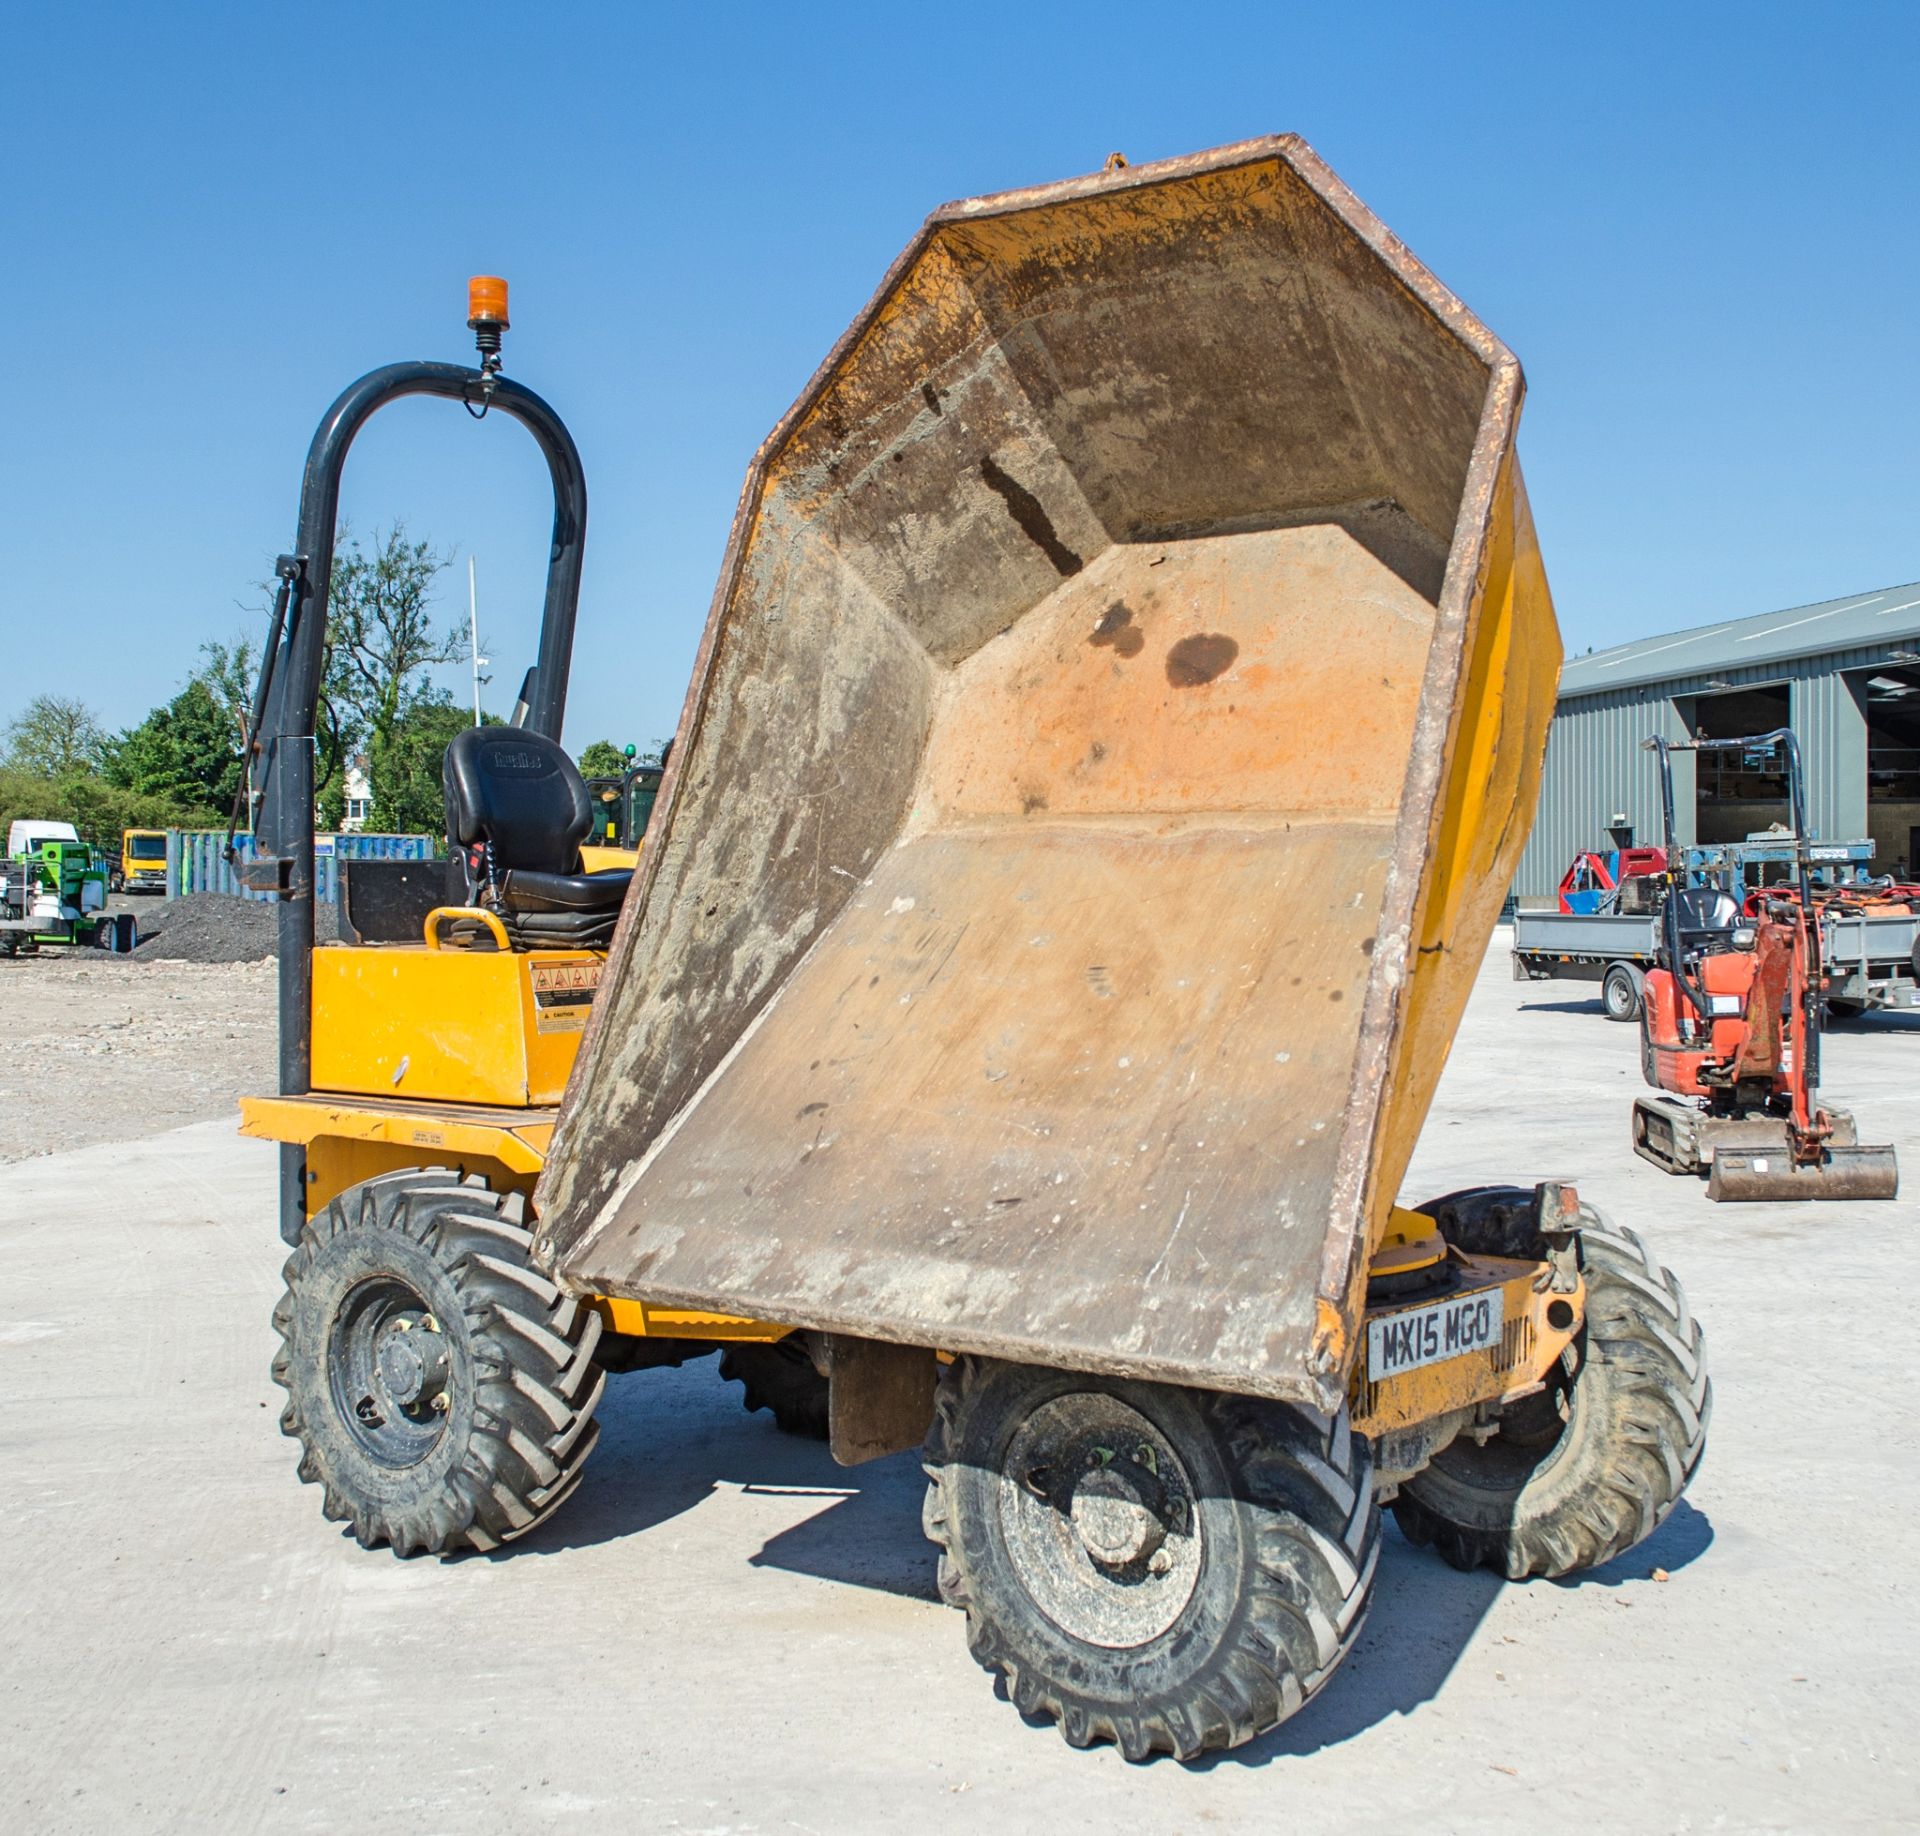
1118 721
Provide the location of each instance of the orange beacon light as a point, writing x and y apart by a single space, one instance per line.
487 302
487 317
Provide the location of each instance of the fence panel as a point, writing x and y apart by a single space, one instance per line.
196 860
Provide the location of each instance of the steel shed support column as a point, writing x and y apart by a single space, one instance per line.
1676 721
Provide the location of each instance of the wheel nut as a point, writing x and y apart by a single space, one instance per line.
441 1403
1159 1562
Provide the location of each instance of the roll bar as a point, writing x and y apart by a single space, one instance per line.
281 738
1785 740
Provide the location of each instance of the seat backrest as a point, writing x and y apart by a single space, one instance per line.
520 792
1705 910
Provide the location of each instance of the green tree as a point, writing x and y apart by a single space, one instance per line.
601 758
99 810
404 768
53 736
186 753
231 672
381 642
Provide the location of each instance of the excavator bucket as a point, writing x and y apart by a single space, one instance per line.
1749 1158
1746 1175
1117 724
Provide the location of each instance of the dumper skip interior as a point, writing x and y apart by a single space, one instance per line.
1117 722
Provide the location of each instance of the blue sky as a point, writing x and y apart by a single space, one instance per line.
1694 225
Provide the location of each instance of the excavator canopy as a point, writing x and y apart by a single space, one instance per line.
1117 724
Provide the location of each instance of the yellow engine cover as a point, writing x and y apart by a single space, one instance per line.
449 1026
597 858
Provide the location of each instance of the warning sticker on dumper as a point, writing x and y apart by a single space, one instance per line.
1406 1340
562 994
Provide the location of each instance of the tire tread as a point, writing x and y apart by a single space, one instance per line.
1641 1334
536 1386
1305 1481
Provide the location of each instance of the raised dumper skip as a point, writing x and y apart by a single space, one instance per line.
1018 1024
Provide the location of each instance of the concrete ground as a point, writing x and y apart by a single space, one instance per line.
722 1631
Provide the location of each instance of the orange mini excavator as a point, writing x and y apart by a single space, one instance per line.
1730 1029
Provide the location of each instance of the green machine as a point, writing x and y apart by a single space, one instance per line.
53 889
622 807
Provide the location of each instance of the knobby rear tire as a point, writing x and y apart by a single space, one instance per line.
1582 1473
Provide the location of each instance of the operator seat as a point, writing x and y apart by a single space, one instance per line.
1706 916
517 812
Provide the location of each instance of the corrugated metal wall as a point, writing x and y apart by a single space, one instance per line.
1595 765
1596 769
1831 721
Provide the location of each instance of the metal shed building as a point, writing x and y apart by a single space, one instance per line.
1844 674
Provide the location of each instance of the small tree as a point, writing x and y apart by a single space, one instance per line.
53 736
601 758
405 768
186 753
381 641
231 672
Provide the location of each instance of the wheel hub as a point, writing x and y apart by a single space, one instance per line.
391 1371
1113 1517
1099 1519
411 1360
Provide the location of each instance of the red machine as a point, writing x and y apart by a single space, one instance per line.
1883 898
1730 1031
1593 882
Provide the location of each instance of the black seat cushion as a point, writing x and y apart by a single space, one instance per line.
526 891
1705 911
517 811
1705 917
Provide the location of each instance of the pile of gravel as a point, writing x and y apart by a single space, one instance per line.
207 927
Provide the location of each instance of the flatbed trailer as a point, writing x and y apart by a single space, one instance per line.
1871 960
1612 948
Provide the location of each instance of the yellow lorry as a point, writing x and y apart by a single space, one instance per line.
143 860
1118 721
